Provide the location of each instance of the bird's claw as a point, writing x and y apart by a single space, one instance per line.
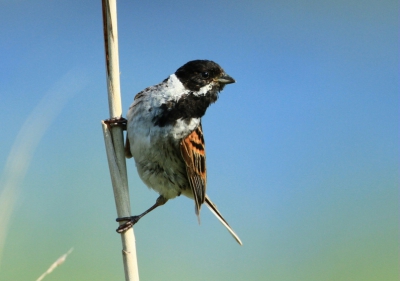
118 121
130 221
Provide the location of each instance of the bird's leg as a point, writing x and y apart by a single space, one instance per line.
130 221
119 121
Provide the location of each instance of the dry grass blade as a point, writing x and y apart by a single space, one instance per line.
57 263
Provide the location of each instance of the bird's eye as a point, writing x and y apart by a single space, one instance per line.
205 75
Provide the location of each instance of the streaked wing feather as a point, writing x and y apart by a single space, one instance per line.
194 155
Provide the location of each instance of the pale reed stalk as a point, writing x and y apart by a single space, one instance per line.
113 137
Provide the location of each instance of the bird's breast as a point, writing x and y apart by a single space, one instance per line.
156 150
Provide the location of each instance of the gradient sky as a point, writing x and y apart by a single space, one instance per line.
302 151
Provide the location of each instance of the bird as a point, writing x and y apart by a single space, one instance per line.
165 136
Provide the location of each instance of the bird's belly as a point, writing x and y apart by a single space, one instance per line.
159 164
156 150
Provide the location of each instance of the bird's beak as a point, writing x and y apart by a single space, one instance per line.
226 79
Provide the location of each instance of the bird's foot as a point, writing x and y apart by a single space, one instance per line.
118 121
130 221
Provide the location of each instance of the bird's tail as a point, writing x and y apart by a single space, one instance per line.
215 211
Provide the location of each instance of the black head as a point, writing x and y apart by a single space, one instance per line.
198 73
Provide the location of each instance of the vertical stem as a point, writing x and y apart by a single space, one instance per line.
113 138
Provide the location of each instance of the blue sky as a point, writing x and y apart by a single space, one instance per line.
302 151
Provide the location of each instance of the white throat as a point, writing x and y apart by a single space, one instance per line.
178 86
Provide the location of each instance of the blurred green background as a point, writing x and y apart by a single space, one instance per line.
302 151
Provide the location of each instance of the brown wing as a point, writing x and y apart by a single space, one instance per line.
194 155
